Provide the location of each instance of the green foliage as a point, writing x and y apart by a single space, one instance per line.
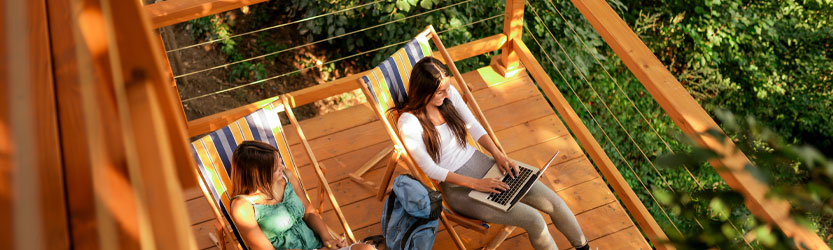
218 27
389 22
769 59
800 175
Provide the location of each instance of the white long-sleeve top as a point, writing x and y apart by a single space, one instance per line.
452 155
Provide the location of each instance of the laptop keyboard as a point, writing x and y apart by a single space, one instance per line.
518 182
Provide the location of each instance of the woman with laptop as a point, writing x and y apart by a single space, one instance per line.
433 120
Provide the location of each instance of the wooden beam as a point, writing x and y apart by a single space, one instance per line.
6 150
32 197
216 121
692 119
76 156
589 143
185 172
474 48
308 95
103 209
56 230
176 11
513 21
30 163
155 132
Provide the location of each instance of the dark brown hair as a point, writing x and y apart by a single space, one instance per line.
426 77
252 165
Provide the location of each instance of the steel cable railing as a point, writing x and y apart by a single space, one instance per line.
601 100
629 100
596 121
331 61
272 27
320 41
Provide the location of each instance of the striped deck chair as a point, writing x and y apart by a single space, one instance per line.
386 85
213 154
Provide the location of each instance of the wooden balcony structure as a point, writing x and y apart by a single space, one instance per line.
93 138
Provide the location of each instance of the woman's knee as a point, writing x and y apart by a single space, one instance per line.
532 221
362 246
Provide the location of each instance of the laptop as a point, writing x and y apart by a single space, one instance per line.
518 187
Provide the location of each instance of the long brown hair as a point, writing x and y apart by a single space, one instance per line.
426 77
252 165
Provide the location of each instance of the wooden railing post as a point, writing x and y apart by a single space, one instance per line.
692 119
32 194
150 110
513 20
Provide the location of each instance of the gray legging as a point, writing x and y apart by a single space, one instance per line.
524 214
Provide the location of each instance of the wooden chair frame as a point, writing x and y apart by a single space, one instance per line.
282 104
400 153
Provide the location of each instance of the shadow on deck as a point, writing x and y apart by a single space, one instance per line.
527 127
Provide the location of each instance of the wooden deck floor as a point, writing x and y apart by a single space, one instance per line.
527 127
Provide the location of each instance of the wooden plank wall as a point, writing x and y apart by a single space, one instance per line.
30 157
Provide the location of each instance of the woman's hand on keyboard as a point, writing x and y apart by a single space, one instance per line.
507 166
490 185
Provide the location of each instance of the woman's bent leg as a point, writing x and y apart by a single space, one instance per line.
521 215
543 198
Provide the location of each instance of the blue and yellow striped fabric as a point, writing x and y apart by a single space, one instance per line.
213 153
388 82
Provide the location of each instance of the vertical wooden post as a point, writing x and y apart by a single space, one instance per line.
513 20
155 133
103 210
31 176
185 173
6 233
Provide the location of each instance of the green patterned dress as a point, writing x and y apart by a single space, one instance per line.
283 223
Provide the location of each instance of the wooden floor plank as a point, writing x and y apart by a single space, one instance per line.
324 125
629 238
596 223
191 193
199 210
201 231
517 112
339 143
338 167
539 154
570 173
511 91
531 132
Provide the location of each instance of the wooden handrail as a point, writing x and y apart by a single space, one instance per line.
33 203
589 143
149 112
176 11
308 95
692 119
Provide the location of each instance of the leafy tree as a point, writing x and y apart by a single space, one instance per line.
800 175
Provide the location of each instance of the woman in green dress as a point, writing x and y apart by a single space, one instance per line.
268 206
